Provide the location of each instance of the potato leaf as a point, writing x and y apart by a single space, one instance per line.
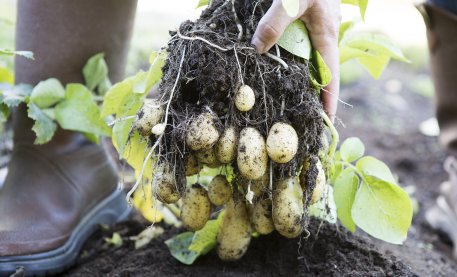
202 3
15 95
79 112
47 93
144 85
44 126
362 4
344 189
25 54
352 149
146 204
295 40
382 209
6 75
179 248
134 149
95 71
205 239
4 112
344 27
371 166
291 7
320 72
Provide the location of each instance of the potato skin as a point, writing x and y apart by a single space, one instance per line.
244 98
282 142
252 157
219 190
150 115
321 181
262 217
202 132
192 165
288 208
234 234
165 189
208 157
226 146
196 208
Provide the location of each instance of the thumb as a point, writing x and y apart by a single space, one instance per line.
271 26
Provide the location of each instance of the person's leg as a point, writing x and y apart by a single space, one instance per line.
441 20
55 194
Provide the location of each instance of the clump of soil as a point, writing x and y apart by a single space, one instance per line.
210 59
327 252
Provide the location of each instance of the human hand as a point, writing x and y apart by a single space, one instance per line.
322 19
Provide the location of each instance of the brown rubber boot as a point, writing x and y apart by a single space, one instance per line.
55 195
442 40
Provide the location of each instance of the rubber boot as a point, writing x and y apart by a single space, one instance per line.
55 195
442 40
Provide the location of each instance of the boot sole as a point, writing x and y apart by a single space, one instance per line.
112 209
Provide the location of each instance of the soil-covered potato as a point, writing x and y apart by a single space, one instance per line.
261 185
219 190
202 132
252 159
282 142
244 98
288 207
149 115
226 146
208 157
234 234
320 181
262 217
165 188
196 208
192 165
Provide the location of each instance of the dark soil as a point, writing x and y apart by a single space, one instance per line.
388 124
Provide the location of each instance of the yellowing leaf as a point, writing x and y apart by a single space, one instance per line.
295 40
382 209
145 203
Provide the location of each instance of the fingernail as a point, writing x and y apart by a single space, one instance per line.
259 46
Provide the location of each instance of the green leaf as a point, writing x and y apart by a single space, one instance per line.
25 54
154 75
344 27
104 86
179 248
371 166
361 3
352 149
344 191
292 7
382 209
202 3
79 112
336 167
44 127
134 150
205 239
47 93
374 65
95 71
4 112
117 94
6 75
295 40
320 72
15 95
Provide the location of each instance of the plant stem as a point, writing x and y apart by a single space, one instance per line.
173 209
335 136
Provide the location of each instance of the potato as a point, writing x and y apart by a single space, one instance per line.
244 98
288 207
319 188
208 157
219 190
196 208
192 165
252 157
262 217
202 132
282 142
158 129
226 146
262 185
149 115
234 234
165 189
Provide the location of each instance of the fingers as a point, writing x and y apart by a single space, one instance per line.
272 25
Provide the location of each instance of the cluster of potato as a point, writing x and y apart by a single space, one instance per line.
270 206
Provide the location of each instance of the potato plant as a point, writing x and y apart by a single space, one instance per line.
236 131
